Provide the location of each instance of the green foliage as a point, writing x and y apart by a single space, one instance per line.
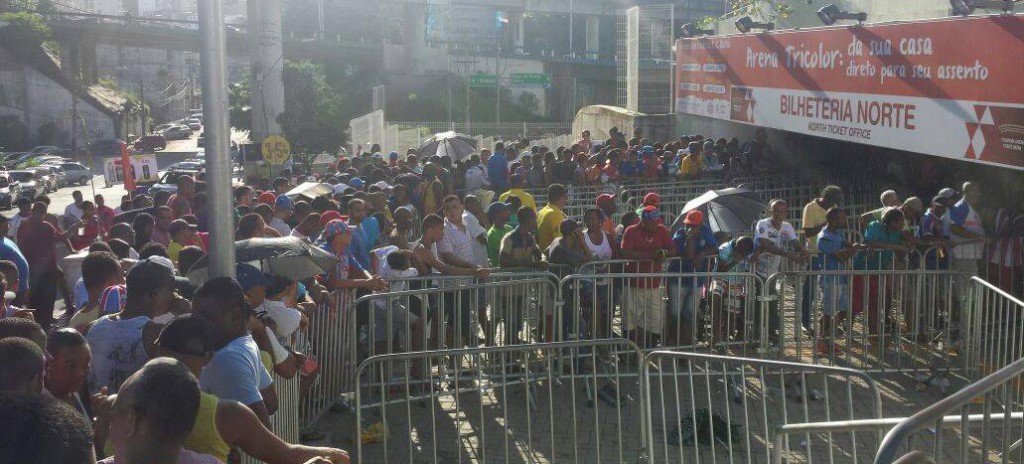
240 109
109 83
770 10
311 119
26 27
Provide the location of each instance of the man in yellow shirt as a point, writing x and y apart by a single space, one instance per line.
814 218
550 218
516 183
690 165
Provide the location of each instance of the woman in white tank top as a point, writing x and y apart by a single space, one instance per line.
602 249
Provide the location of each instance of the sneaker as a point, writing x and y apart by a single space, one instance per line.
374 433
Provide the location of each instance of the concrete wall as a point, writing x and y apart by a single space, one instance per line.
36 100
599 119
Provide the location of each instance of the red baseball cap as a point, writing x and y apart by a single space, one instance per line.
694 218
329 216
605 198
652 199
268 198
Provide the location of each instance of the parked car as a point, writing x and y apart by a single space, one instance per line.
74 173
28 182
9 191
195 124
168 182
151 142
44 149
201 141
34 160
55 173
104 148
45 177
177 132
187 165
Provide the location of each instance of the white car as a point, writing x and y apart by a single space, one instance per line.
195 124
74 173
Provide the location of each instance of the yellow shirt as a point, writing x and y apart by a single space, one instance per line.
204 437
549 222
524 197
814 216
690 166
173 250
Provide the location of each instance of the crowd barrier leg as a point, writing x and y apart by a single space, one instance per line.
546 402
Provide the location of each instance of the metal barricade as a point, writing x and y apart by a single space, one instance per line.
285 422
507 309
547 402
996 336
685 311
331 345
991 427
714 408
877 321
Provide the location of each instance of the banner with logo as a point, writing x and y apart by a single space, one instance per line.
948 87
141 169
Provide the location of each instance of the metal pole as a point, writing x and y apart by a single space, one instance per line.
217 133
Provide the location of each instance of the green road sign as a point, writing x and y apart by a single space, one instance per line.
483 80
530 80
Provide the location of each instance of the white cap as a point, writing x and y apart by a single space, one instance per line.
340 188
947 193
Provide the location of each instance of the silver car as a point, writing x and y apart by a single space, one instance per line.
74 173
45 177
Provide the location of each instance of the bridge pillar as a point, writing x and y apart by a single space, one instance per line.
265 51
414 25
593 36
90 66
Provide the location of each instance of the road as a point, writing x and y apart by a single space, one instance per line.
177 150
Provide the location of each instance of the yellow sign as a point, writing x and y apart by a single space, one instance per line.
276 149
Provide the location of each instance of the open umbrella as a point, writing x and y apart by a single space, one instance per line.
129 216
288 257
728 210
452 144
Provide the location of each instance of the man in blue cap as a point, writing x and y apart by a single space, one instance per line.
283 207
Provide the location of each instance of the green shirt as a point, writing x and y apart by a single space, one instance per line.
494 236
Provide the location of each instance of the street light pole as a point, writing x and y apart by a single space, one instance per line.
216 128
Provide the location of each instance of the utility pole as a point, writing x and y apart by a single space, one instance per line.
217 132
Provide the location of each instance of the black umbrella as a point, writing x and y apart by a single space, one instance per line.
728 210
288 257
451 144
129 216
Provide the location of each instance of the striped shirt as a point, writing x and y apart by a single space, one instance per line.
459 242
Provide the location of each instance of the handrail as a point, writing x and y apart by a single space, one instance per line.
861 425
895 438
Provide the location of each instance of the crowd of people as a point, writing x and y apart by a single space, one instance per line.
149 366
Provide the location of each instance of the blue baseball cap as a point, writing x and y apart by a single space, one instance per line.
284 202
393 155
648 149
356 183
250 277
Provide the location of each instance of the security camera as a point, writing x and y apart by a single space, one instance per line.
746 23
831 13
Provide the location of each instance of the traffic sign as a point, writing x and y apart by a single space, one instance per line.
276 149
529 80
483 80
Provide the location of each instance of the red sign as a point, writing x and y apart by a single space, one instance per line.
127 169
946 87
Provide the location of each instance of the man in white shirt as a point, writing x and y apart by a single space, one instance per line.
282 212
479 234
775 237
456 249
476 178
73 212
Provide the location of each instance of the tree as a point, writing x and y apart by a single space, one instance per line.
311 120
240 105
25 27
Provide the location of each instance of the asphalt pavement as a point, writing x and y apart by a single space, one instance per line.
177 150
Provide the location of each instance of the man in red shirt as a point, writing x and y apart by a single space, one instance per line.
181 202
104 212
649 243
37 239
89 229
